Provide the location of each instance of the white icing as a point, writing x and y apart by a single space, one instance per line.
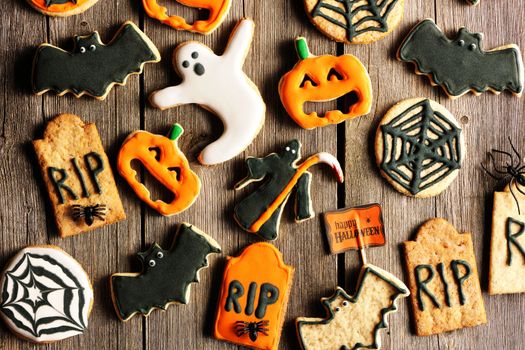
223 89
24 281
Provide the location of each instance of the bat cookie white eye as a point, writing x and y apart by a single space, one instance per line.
345 303
293 151
337 309
287 149
461 42
472 47
82 49
152 263
160 255
92 48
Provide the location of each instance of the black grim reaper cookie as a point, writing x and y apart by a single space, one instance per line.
461 65
92 67
166 275
260 212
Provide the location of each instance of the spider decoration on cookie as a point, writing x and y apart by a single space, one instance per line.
89 212
252 328
513 169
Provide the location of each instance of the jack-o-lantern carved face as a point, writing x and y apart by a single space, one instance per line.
163 160
61 8
324 78
218 9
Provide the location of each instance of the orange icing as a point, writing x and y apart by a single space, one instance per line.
354 79
141 146
217 11
58 8
260 263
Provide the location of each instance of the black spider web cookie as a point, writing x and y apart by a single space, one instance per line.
419 147
45 295
355 21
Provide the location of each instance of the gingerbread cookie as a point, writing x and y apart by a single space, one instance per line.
45 295
461 65
324 78
61 8
507 244
260 212
217 11
253 298
166 275
354 322
92 68
218 83
419 147
355 22
163 160
443 279
78 176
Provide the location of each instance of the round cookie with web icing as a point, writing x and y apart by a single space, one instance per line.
45 295
419 147
355 21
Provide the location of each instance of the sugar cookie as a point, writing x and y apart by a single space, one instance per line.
218 84
45 295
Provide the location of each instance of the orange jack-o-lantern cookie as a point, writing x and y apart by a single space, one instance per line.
324 78
163 160
218 9
61 8
253 298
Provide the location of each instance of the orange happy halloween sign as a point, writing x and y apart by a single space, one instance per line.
354 228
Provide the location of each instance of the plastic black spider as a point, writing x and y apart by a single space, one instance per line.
516 172
89 212
252 328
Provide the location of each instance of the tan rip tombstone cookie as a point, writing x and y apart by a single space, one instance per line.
507 244
443 279
78 176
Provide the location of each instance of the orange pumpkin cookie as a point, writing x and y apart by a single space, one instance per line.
218 9
253 298
324 78
163 159
61 8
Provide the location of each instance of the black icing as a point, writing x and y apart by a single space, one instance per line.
167 279
91 70
198 69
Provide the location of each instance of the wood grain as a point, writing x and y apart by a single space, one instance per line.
25 216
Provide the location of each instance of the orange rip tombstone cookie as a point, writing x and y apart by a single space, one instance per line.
61 8
217 9
443 279
324 78
78 176
253 298
163 159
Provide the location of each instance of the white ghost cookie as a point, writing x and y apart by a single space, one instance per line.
218 84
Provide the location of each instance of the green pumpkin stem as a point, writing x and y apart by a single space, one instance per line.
175 132
301 46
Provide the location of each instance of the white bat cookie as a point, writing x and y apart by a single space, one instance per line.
218 84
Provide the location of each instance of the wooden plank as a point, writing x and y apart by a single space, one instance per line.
468 201
105 250
392 81
22 217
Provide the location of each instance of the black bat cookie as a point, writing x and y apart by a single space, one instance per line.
461 65
166 274
93 67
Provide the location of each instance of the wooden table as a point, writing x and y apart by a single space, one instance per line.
25 216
